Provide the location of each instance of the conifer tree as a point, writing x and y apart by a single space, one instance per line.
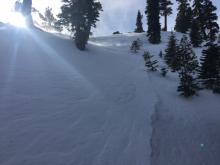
216 87
161 54
49 17
149 63
170 56
135 46
187 67
211 27
219 38
26 11
198 19
79 16
26 7
165 10
209 65
198 10
139 24
184 16
18 6
153 21
196 34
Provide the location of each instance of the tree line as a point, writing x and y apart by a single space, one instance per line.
80 16
200 20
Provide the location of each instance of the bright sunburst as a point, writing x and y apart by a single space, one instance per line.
8 15
17 19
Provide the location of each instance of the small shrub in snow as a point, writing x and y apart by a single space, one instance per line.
117 32
149 63
164 71
161 54
139 42
135 46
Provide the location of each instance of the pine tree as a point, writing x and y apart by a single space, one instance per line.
170 56
187 67
211 27
219 38
79 16
188 85
165 10
18 6
139 24
26 7
196 34
184 16
198 10
153 21
216 87
209 65
149 63
135 46
26 11
49 17
199 19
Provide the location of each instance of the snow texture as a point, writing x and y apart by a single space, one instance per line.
61 106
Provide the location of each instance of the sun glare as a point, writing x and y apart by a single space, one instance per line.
17 19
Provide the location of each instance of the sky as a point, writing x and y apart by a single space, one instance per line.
118 15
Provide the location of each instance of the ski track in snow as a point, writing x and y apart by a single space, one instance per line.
60 106
185 131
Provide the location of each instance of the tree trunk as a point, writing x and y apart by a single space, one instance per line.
165 23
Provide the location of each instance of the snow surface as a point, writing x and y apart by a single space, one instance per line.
61 106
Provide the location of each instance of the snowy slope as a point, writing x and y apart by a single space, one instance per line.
100 107
62 106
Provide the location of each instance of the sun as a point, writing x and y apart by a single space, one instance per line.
8 14
17 19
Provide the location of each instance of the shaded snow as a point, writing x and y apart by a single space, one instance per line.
62 106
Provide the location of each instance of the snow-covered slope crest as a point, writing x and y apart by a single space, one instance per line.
59 105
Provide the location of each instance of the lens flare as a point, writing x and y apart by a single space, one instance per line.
18 20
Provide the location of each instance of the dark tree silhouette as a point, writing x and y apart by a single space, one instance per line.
209 65
211 27
196 34
26 11
139 24
49 17
153 21
184 16
79 16
165 10
170 56
188 65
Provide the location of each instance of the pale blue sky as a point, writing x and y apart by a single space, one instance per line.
117 15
